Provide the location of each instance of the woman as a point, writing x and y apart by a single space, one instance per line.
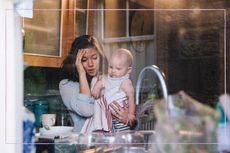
85 60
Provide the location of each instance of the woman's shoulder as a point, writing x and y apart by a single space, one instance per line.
66 82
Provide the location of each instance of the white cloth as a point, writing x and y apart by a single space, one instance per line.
102 118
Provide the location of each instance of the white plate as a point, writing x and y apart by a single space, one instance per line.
56 130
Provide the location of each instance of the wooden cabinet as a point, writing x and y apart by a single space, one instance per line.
55 24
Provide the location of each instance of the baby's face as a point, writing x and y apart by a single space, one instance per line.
118 67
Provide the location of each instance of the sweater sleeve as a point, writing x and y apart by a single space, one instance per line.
76 102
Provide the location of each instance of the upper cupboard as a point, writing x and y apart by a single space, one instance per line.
48 35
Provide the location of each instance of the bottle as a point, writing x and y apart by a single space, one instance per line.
223 131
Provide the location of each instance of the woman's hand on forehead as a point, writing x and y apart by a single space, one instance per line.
78 62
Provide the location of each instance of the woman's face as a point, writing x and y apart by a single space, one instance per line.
90 61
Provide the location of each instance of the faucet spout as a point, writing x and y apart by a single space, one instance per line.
161 78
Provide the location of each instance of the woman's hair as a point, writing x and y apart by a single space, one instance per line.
68 68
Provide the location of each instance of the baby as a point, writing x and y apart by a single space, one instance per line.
117 87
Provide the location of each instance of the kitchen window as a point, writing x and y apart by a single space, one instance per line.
123 20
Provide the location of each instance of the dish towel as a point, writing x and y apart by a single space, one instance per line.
101 120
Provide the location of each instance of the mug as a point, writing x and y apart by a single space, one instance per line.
48 119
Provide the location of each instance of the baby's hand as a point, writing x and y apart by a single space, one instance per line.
131 118
95 94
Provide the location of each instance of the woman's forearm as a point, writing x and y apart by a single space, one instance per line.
84 86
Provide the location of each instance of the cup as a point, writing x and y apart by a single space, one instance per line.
48 120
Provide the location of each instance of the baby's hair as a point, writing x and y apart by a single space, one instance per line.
124 52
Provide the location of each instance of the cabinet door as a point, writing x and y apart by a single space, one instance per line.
42 35
55 24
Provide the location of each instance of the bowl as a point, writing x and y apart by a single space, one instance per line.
56 130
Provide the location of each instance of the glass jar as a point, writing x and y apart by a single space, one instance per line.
29 105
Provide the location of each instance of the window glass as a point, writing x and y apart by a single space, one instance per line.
81 17
42 32
141 22
114 20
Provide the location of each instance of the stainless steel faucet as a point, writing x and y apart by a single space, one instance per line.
160 76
